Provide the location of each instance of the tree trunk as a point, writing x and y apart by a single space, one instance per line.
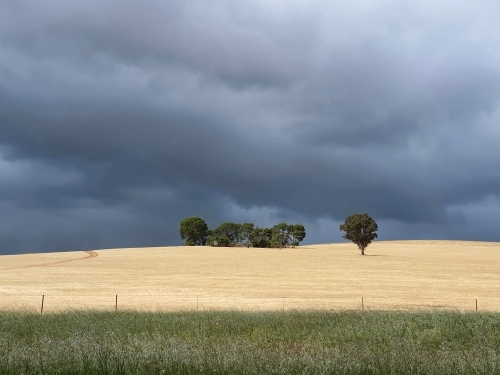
362 250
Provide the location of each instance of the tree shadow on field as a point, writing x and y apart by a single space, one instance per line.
374 255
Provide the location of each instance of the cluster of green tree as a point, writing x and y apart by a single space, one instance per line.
359 228
194 231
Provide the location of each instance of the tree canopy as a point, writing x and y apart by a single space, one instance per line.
226 234
360 229
285 235
298 233
260 237
194 231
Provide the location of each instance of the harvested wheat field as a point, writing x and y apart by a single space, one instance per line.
393 275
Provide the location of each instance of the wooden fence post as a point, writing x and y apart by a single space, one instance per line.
362 304
116 302
476 304
41 308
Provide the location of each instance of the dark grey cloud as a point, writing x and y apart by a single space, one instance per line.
118 120
153 35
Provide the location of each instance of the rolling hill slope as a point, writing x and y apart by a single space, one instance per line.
393 275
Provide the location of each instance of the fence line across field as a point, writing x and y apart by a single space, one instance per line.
176 302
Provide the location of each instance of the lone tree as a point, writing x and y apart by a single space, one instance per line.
360 229
194 231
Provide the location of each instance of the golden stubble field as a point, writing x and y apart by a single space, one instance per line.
393 275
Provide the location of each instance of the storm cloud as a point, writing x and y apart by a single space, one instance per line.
119 119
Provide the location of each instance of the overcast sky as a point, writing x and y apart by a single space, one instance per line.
118 119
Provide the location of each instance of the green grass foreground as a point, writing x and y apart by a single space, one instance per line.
312 342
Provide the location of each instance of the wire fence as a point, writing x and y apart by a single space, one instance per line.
162 302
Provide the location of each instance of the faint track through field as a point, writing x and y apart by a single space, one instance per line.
90 254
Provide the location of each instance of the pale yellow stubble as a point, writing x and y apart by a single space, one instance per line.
392 274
